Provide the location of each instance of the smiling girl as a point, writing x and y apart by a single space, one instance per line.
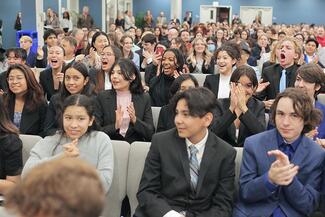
76 81
77 138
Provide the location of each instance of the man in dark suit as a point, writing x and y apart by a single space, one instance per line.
188 171
272 75
281 168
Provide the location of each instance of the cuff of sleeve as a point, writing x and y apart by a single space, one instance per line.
268 184
173 213
149 60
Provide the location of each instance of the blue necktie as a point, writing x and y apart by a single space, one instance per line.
194 167
282 81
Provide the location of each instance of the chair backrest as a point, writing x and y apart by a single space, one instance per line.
142 74
117 191
28 143
200 78
321 98
155 115
4 213
238 159
137 157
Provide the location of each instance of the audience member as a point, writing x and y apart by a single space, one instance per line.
281 168
85 20
240 115
61 188
127 44
202 165
25 100
11 160
26 43
75 81
124 113
77 138
50 40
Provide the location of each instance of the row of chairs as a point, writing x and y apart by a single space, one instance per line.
128 166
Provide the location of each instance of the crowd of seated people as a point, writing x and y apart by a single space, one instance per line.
95 86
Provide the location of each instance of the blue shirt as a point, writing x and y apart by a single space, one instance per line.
289 150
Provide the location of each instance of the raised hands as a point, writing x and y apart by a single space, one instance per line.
238 99
71 149
131 111
262 85
118 117
281 172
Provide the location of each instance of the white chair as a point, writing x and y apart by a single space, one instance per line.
155 115
200 78
137 156
4 213
321 98
142 76
28 143
117 191
238 159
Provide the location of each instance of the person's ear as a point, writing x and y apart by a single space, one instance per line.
91 121
208 118
317 87
86 81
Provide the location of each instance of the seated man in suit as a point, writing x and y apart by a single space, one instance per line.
281 168
279 76
188 172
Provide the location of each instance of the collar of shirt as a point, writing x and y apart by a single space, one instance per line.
200 146
294 145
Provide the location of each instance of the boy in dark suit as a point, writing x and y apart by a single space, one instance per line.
189 172
279 76
281 168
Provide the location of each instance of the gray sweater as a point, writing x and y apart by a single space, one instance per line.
95 148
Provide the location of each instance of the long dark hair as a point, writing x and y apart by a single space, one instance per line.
6 126
100 75
95 36
82 101
34 95
129 71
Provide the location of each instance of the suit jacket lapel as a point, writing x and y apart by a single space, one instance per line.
183 157
207 159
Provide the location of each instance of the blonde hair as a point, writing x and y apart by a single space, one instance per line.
25 37
207 55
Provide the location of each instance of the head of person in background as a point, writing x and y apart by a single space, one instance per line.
99 41
157 33
109 55
311 47
227 56
127 44
26 43
50 38
182 83
185 36
76 81
178 43
281 35
16 56
290 52
211 41
244 35
149 42
55 58
245 53
79 35
69 45
172 33
172 62
60 35
56 194
263 41
125 76
300 38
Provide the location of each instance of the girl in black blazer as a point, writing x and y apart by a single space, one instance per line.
75 81
124 113
25 100
11 159
227 56
241 115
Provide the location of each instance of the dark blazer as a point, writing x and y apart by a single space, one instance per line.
165 182
31 59
32 122
252 122
46 80
212 83
298 199
3 81
159 89
273 74
209 70
166 118
143 128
